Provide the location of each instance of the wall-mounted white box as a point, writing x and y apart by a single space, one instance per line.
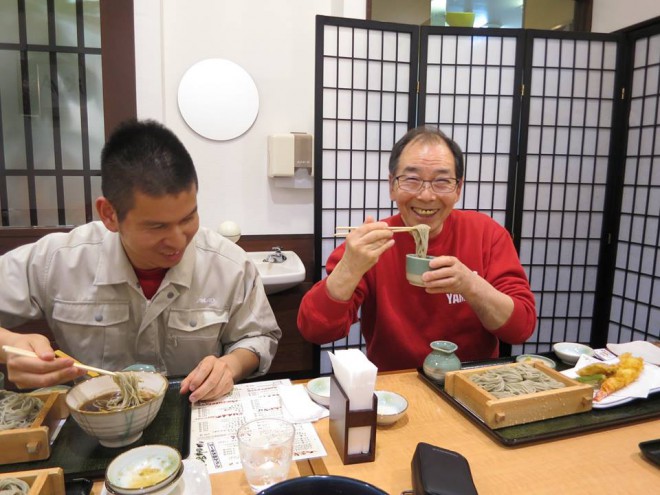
289 152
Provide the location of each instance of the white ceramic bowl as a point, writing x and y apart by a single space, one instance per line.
535 358
570 352
117 428
319 390
150 469
391 407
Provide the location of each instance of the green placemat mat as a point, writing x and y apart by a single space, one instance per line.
82 456
547 429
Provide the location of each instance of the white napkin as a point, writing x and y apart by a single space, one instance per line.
357 376
648 380
297 406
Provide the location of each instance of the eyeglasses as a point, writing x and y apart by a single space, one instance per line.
412 184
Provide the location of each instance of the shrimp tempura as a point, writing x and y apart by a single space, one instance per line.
628 371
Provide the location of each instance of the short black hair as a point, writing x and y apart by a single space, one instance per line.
147 157
427 134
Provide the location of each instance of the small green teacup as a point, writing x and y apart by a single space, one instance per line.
415 267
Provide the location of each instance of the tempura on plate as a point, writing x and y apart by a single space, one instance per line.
617 376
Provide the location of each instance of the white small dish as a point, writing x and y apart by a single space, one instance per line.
391 407
535 358
194 481
319 390
148 469
570 352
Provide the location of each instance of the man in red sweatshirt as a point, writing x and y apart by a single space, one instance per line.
476 292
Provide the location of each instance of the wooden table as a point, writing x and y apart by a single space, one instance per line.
607 461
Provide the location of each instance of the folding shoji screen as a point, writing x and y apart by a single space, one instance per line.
366 90
568 116
635 308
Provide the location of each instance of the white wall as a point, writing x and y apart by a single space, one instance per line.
273 40
611 15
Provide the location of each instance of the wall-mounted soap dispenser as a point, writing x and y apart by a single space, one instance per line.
290 159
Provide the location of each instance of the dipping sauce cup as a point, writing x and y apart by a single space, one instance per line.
415 267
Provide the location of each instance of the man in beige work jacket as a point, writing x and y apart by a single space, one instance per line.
146 284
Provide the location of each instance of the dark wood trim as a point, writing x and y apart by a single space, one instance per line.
13 237
118 62
582 15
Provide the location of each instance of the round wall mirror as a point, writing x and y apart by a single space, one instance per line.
218 99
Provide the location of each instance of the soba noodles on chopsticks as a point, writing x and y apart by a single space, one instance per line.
130 394
421 235
18 410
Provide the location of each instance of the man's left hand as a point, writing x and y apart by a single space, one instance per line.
448 275
212 378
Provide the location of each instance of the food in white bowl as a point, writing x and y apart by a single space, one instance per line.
391 407
115 428
150 469
319 390
535 358
570 352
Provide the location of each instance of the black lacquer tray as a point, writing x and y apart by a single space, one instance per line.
81 456
553 428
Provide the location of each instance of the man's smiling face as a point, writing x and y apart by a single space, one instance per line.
427 160
157 230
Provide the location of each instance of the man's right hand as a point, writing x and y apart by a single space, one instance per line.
364 246
29 372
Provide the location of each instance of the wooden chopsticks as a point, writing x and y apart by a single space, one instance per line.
350 227
23 352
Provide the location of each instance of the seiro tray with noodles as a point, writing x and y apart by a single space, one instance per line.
519 404
120 425
31 442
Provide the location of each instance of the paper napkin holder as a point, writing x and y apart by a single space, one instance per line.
341 419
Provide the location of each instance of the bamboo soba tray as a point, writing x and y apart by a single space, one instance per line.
33 442
42 481
496 412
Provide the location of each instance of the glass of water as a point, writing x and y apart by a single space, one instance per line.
266 448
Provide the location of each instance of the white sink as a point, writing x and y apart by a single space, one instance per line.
278 276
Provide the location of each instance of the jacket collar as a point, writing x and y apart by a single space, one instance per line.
114 266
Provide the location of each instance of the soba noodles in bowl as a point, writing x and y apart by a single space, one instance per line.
116 410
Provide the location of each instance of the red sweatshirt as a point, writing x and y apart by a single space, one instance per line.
399 320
